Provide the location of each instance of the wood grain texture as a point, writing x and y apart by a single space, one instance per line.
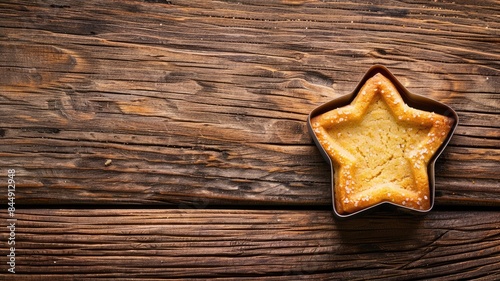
207 101
444 245
201 107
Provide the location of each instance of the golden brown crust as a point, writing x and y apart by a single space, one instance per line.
380 148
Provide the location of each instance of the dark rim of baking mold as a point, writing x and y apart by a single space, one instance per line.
412 100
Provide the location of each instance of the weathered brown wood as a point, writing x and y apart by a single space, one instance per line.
171 243
202 100
200 104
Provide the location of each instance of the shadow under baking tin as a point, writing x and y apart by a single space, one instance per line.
412 100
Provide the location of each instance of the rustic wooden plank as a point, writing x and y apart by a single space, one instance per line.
192 243
205 103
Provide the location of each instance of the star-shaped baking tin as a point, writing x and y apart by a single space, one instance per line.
412 101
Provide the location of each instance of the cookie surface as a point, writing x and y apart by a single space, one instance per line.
380 148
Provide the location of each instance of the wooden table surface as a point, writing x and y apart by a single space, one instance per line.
167 139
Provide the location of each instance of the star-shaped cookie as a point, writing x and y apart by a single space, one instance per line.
380 148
